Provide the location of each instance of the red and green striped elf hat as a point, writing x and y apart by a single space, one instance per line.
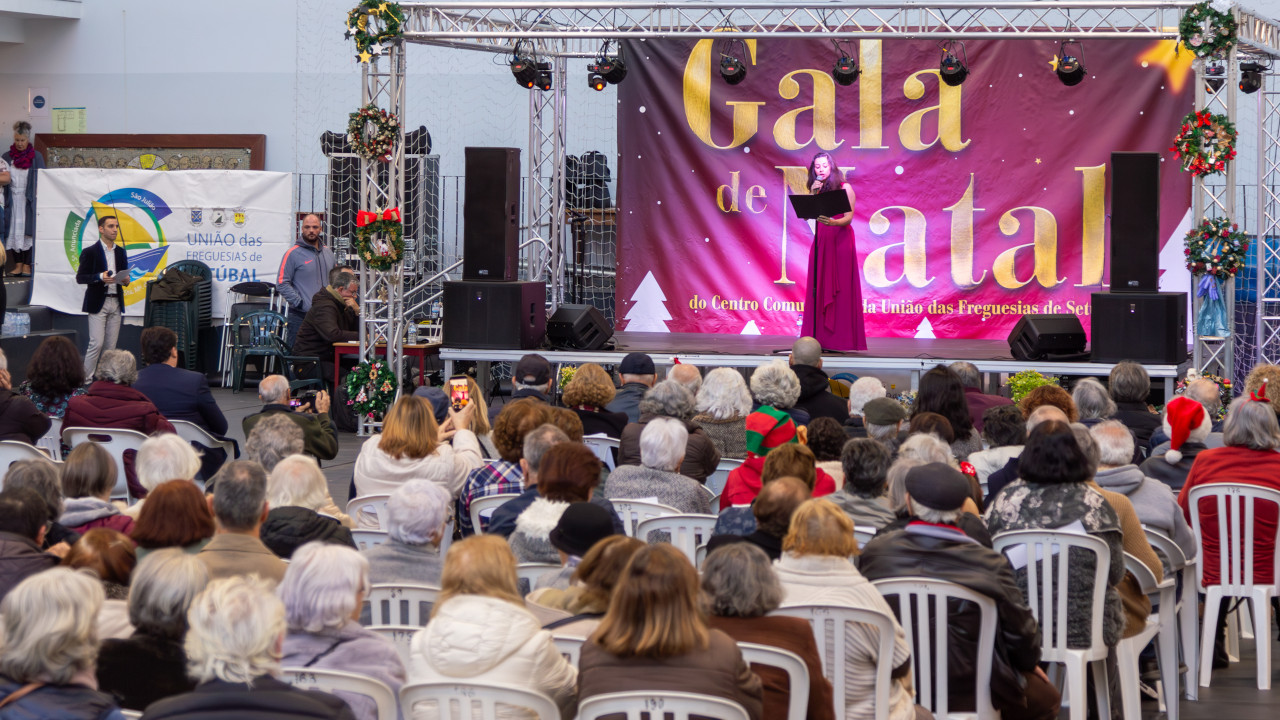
768 428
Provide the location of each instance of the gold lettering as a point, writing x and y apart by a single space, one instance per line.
913 250
1045 250
732 187
962 240
1094 180
697 98
823 109
753 193
870 102
948 110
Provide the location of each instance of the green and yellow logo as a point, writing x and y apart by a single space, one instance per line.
139 213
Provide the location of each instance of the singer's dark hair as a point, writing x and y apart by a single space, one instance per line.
833 180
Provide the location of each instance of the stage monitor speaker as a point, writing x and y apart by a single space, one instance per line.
1142 327
490 214
1135 221
495 315
578 327
1046 337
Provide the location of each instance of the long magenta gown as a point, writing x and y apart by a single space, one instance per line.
833 303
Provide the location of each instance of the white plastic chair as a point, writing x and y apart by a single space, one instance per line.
569 647
685 531
400 635
130 713
717 479
482 509
475 701
1161 626
834 654
792 664
403 604
366 539
660 704
51 441
530 572
1188 606
604 447
331 680
633 512
1047 597
11 451
115 442
1236 506
863 535
920 598
369 507
197 435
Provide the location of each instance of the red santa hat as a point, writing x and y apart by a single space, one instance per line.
1184 419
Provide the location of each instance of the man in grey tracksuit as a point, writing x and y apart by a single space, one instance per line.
304 271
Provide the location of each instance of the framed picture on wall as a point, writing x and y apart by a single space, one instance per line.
153 152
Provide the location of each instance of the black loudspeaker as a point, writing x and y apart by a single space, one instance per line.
1142 327
496 315
1045 337
490 214
578 327
1135 222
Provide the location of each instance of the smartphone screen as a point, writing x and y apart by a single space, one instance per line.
459 393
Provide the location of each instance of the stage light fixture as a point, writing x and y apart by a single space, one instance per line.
1214 76
846 71
595 80
1250 77
613 69
952 69
1070 69
542 81
525 71
732 70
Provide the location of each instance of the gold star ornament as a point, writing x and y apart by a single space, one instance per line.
365 56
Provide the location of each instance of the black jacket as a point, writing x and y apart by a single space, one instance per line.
328 321
20 559
20 419
816 397
142 669
627 400
597 422
181 395
1136 417
770 544
266 699
289 528
93 262
907 553
521 393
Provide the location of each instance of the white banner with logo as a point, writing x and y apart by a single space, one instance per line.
238 222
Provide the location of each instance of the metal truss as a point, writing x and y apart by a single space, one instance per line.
1215 196
1266 249
545 209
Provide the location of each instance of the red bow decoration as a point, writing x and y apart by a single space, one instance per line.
1261 394
364 217
969 469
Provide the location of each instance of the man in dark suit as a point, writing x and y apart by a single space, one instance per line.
104 298
180 394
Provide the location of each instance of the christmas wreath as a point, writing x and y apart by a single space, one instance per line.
1205 143
1216 247
372 132
361 25
379 239
371 388
1215 40
1225 389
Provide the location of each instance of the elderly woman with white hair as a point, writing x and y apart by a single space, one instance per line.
297 493
775 384
662 449
162 458
237 627
723 404
51 646
417 514
670 399
151 664
862 391
323 591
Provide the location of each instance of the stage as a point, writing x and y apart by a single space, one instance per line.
902 355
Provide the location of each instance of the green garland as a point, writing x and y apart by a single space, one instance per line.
1226 390
371 388
1205 143
1214 41
1216 247
360 22
383 255
386 130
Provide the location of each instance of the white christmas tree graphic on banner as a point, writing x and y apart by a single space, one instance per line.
750 328
925 329
649 313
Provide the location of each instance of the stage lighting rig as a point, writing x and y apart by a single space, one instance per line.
952 68
1251 77
1070 69
846 70
606 70
542 80
732 69
523 66
1214 76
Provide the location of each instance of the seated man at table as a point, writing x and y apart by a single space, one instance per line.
319 439
334 317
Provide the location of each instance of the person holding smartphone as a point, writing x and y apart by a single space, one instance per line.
104 268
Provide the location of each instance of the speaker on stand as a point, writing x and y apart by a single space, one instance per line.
490 214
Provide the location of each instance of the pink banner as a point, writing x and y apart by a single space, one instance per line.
974 204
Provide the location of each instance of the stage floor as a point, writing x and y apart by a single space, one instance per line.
901 348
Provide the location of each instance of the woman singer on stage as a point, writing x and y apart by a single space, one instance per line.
833 305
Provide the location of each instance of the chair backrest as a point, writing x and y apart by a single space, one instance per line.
130 713
1167 548
115 442
1236 505
401 604
400 635
603 446
51 441
792 664
671 705
633 512
368 508
366 539
193 433
11 451
531 571
828 623
482 508
569 647
863 535
1047 587
260 329
475 701
923 607
686 532
330 680
717 479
